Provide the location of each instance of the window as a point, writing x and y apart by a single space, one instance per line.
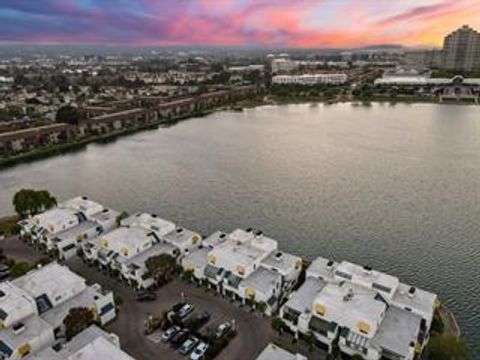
343 275
106 309
381 288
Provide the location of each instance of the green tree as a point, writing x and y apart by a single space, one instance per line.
20 269
277 324
28 202
162 268
448 347
77 320
68 114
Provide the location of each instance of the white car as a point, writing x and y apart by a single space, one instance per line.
186 310
199 351
169 333
188 345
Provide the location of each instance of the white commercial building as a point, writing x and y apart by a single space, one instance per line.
371 313
310 79
34 306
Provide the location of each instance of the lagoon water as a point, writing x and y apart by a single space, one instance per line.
396 187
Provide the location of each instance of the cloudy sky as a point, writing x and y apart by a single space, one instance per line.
296 23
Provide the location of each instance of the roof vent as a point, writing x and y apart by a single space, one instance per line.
278 256
411 291
18 328
349 295
367 270
330 264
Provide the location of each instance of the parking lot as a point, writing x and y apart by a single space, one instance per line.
253 329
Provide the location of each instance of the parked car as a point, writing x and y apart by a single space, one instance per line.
222 330
178 306
146 296
185 310
198 321
199 351
178 339
4 271
170 332
188 345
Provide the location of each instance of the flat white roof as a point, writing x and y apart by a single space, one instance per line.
367 276
151 222
273 352
215 239
83 204
281 261
398 330
422 301
131 239
244 248
181 237
54 280
15 304
34 327
322 268
100 348
56 219
362 306
302 299
262 280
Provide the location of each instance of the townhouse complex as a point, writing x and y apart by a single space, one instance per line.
34 306
118 116
344 306
360 310
247 266
91 344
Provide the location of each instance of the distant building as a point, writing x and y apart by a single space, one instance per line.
283 65
310 79
424 58
461 49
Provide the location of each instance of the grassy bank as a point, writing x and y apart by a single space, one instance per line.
8 225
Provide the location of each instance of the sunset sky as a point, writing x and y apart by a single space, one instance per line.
289 23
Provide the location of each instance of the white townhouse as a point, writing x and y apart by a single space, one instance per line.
91 344
274 352
66 226
371 313
140 237
245 265
33 307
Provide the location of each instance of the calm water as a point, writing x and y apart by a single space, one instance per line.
395 187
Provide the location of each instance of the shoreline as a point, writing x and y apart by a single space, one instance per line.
258 101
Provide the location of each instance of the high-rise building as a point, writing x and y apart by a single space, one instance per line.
461 49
